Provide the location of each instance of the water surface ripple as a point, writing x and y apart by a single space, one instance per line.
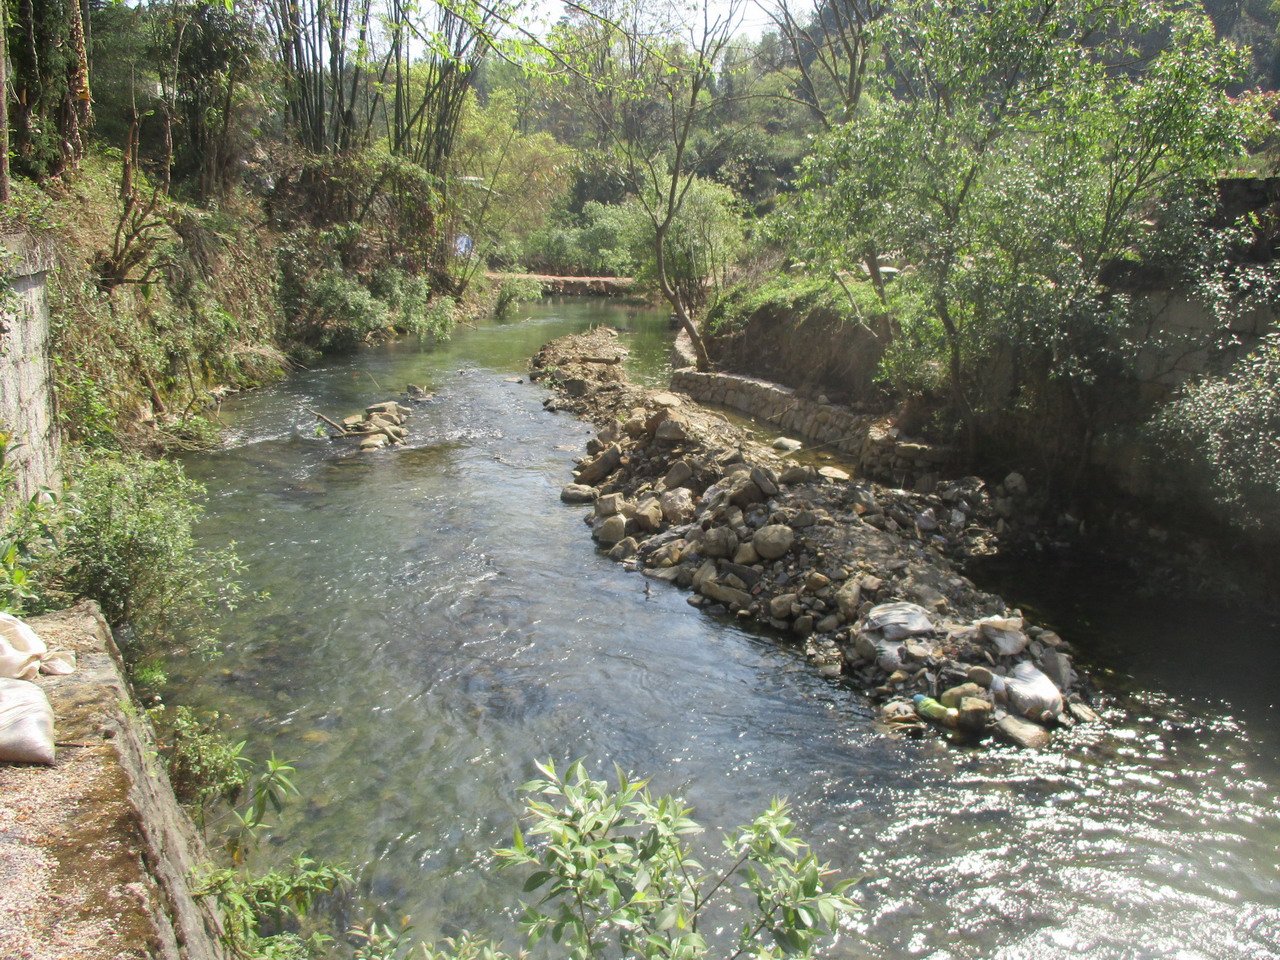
436 618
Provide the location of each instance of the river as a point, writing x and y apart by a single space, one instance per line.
436 619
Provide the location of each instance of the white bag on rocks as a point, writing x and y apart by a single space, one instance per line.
1005 633
26 723
897 621
23 654
1030 693
21 649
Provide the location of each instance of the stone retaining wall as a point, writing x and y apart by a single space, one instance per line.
877 448
26 396
115 852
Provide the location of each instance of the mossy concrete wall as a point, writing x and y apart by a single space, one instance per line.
26 392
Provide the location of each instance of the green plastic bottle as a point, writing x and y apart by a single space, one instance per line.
931 709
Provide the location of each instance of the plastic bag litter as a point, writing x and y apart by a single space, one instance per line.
896 621
1005 633
23 654
26 723
889 655
1030 693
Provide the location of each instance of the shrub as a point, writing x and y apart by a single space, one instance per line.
128 543
618 878
1228 428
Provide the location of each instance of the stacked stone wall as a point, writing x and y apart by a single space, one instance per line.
877 449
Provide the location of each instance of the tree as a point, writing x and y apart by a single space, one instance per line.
651 88
1005 183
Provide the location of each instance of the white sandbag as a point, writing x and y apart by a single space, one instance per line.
1030 693
897 621
21 649
26 723
1004 633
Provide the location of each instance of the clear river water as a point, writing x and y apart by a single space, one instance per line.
436 619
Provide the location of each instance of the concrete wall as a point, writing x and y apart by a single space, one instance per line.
26 394
876 447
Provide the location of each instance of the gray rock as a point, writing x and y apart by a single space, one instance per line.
1022 733
765 480
828 624
1057 667
596 469
719 542
716 590
611 529
833 473
744 493
1015 485
780 606
787 444
375 442
677 475
746 554
672 429
773 540
975 714
796 473
677 505
577 493
848 597
704 572
609 504
624 549
953 696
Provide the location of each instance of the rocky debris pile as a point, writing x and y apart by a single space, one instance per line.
860 575
381 424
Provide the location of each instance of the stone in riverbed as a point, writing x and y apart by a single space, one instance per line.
719 542
848 598
648 514
1023 733
677 505
624 549
677 475
746 554
577 493
833 473
611 529
375 442
596 469
780 606
975 714
609 504
773 540
716 590
953 696
787 444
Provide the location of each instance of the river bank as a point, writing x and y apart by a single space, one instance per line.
861 574
98 854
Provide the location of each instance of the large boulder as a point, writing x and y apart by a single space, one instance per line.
773 540
577 493
677 505
719 542
611 529
1023 733
596 469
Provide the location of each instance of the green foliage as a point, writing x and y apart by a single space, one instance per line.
1228 428
1003 185
261 912
128 543
204 767
618 877
514 290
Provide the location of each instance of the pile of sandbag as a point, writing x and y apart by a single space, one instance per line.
26 718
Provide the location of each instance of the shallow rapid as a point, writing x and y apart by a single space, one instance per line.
436 619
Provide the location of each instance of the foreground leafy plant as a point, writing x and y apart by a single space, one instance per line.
619 878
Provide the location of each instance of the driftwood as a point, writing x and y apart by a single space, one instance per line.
342 431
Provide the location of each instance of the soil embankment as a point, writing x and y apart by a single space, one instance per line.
861 574
97 853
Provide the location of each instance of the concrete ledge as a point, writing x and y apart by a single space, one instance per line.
101 849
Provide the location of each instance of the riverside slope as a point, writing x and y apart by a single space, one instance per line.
860 574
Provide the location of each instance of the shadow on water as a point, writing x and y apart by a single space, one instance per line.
436 618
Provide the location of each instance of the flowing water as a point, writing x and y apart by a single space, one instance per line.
436 619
